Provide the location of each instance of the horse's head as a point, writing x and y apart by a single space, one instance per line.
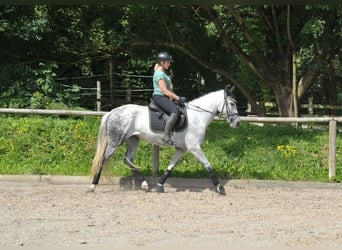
229 108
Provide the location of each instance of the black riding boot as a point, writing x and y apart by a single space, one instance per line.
168 127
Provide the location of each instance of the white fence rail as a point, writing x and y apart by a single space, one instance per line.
155 165
51 112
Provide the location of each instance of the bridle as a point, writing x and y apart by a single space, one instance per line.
229 114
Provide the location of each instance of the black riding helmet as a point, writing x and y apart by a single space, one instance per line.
164 56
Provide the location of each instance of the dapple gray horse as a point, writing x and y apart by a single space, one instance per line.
129 123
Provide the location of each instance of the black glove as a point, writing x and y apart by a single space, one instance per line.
181 100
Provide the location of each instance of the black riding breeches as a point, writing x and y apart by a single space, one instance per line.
165 104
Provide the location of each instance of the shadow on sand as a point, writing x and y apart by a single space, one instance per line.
177 184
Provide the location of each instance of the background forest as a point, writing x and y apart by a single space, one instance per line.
52 56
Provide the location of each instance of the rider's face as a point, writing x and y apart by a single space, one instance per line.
166 64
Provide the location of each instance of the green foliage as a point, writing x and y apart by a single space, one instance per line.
213 45
44 85
40 145
58 146
39 101
257 152
69 96
28 23
44 77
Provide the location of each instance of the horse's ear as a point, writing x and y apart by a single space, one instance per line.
229 91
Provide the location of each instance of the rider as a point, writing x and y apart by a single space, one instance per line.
163 94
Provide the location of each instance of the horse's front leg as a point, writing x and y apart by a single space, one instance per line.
132 146
175 159
137 173
199 154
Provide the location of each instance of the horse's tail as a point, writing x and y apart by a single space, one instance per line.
102 142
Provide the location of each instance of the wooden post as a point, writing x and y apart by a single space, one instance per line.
111 85
98 96
129 95
155 160
332 149
310 105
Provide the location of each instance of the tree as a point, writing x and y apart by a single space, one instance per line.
271 53
68 40
22 30
261 39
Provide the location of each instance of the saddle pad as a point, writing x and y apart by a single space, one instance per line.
158 121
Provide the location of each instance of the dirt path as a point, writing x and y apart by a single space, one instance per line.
43 214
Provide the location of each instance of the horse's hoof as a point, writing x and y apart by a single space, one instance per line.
220 190
91 188
144 185
160 188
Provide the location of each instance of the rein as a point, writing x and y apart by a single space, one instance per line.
228 115
198 107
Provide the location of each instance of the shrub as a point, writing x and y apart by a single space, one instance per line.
65 146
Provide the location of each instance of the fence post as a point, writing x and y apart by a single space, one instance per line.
310 105
155 160
332 149
111 84
129 95
98 96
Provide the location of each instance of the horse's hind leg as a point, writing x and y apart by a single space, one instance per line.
108 153
132 146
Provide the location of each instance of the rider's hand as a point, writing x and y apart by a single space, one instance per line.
181 99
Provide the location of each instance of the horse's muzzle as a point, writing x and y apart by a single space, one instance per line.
234 121
235 124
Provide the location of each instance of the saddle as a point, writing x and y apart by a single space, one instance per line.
158 118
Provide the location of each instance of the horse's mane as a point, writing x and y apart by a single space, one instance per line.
209 96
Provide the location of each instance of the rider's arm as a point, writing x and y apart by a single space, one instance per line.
168 93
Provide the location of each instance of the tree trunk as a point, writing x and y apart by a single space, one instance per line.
294 67
308 78
284 100
294 86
